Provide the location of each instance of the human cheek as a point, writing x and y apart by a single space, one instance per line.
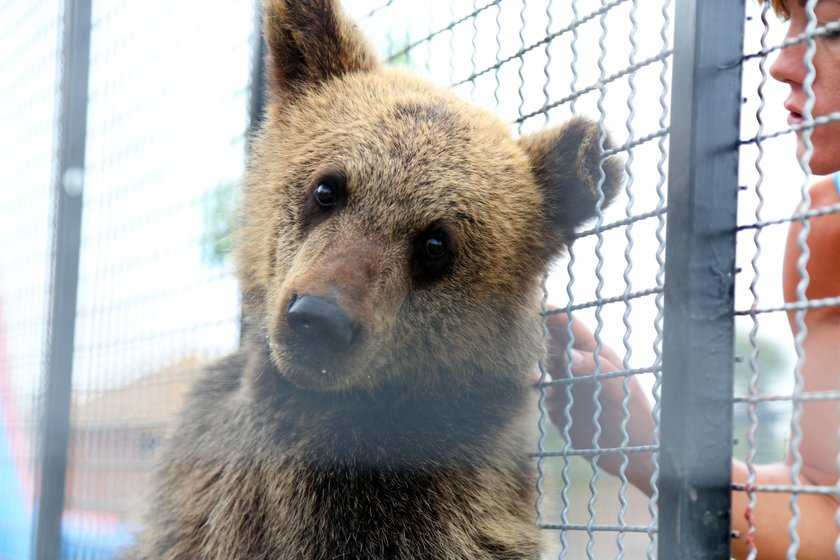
827 65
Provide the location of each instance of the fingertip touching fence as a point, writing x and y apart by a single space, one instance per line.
125 130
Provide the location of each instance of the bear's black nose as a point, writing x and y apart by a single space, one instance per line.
320 324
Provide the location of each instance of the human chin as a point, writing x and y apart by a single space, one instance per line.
825 158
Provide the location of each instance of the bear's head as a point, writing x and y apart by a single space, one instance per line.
392 232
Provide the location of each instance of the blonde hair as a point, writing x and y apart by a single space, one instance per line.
779 6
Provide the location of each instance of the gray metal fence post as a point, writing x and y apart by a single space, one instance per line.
699 281
257 94
69 183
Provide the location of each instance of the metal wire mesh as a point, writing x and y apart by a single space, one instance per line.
536 63
28 64
786 397
156 298
165 144
166 140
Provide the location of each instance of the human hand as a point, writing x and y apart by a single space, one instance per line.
624 417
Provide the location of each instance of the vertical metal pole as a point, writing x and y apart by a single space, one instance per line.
696 451
258 83
69 183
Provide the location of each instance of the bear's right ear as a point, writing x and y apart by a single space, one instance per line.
567 162
310 42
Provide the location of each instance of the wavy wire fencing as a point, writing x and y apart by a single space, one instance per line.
125 133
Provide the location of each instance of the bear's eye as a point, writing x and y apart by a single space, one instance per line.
432 253
435 247
326 195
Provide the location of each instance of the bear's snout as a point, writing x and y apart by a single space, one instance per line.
321 326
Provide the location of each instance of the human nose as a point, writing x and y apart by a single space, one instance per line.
789 67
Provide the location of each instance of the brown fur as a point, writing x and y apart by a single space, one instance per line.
413 442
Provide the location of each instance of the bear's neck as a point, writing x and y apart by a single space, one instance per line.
391 424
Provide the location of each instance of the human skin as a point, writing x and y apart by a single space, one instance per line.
640 425
820 421
790 68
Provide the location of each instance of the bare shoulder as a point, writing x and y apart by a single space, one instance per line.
825 193
823 243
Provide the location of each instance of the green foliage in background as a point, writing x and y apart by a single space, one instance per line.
775 372
773 362
399 46
219 209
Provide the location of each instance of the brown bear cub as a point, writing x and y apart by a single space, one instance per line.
394 241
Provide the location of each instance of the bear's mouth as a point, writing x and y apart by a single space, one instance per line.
307 368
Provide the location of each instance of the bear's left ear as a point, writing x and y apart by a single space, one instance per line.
310 42
567 162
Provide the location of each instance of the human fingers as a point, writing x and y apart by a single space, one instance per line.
585 356
558 325
590 363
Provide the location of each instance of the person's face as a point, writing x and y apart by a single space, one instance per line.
790 68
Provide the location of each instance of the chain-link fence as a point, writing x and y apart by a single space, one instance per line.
169 100
28 47
165 88
786 310
536 63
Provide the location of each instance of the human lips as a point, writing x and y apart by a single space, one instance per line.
795 116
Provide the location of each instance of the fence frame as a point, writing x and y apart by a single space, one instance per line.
68 187
698 349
